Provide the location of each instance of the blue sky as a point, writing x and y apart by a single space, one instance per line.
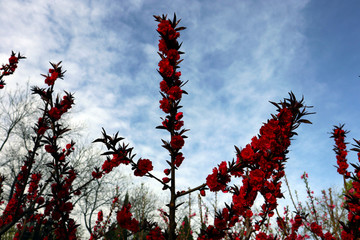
238 56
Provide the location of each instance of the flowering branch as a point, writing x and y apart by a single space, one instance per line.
9 68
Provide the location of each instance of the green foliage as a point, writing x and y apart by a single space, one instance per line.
185 230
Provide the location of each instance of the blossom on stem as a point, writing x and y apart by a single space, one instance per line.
218 179
165 68
143 166
166 180
177 142
125 220
165 105
155 234
175 93
340 149
9 68
179 159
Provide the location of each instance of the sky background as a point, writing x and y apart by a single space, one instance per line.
238 56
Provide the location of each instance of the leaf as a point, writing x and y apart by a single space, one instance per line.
180 28
108 153
304 121
237 150
274 103
183 131
174 20
179 205
157 18
178 62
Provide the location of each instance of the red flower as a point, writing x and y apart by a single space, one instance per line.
125 221
167 171
166 179
164 26
257 177
220 223
162 46
165 68
263 236
165 123
179 116
178 125
173 55
13 60
116 160
165 105
177 142
202 192
49 80
155 234
172 34
247 154
164 86
107 166
218 179
66 103
178 160
100 216
55 113
175 93
340 149
143 166
96 175
50 149
167 30
317 229
347 236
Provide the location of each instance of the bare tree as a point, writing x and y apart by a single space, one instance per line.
17 109
98 194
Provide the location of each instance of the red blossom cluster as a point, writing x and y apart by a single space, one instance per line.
97 231
143 167
121 154
125 220
8 69
115 161
30 207
100 227
351 229
340 149
155 234
171 92
219 179
261 166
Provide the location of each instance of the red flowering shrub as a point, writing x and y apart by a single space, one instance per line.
257 170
